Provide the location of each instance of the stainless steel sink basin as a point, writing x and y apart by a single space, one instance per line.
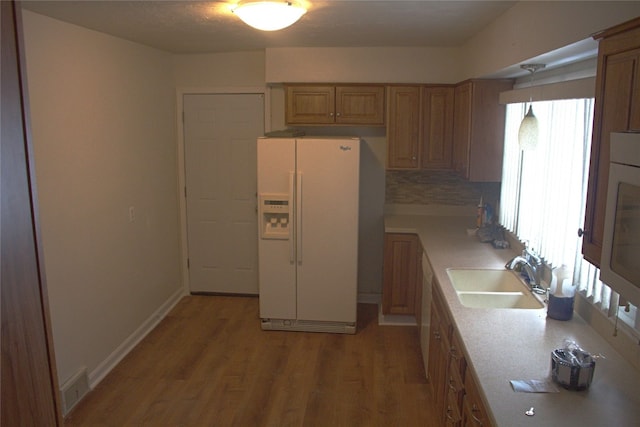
488 288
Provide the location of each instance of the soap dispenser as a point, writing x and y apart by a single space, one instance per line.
562 294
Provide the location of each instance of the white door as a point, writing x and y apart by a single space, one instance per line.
220 132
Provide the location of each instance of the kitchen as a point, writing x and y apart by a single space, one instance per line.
79 67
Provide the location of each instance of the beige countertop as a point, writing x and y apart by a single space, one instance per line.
513 344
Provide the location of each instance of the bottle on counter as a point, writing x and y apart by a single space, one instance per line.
480 213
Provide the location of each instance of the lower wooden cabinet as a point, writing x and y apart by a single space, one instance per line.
455 393
402 283
439 345
474 413
457 401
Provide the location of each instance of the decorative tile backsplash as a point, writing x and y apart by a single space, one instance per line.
426 187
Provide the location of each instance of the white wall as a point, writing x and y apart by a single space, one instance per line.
219 70
103 125
532 28
364 65
527 30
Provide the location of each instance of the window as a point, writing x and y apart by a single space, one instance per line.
543 192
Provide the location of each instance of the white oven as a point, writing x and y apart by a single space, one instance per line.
620 263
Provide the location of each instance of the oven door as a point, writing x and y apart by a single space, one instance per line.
620 265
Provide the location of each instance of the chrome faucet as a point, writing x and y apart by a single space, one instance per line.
531 264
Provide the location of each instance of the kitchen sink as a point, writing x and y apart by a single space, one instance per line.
492 288
499 300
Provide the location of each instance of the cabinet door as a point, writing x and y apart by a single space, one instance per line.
403 130
474 413
462 128
437 127
437 359
360 105
400 273
454 382
617 109
418 298
487 130
478 137
438 354
310 104
452 417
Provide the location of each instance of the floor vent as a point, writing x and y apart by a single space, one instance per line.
74 389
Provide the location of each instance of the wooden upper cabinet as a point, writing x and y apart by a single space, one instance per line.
617 108
360 105
478 129
437 127
403 129
331 104
310 104
420 127
462 128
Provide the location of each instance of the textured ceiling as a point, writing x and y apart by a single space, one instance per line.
209 26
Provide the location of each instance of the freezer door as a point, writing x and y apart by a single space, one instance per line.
328 188
276 257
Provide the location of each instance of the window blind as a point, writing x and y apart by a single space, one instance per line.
543 192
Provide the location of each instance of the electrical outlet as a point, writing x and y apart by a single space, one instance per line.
132 213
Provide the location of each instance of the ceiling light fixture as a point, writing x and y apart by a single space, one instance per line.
528 132
269 15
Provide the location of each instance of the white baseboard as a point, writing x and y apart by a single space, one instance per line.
138 335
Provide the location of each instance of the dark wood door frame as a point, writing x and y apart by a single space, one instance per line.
28 380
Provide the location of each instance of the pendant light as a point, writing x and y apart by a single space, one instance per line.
528 132
269 15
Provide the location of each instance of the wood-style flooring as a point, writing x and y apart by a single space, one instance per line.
208 363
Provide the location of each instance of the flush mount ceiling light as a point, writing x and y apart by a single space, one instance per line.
528 133
268 15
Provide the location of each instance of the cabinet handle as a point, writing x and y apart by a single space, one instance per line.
448 414
582 232
474 410
453 353
331 114
452 385
436 335
337 114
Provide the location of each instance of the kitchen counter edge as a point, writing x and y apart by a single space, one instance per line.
514 344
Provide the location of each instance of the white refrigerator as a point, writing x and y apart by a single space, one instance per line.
308 191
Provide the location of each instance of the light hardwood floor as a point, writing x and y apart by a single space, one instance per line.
208 363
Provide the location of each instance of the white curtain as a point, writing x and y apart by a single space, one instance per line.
543 190
543 193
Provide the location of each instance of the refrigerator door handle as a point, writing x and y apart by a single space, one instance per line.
299 217
292 247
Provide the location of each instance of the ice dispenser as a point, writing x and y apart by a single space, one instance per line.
274 216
